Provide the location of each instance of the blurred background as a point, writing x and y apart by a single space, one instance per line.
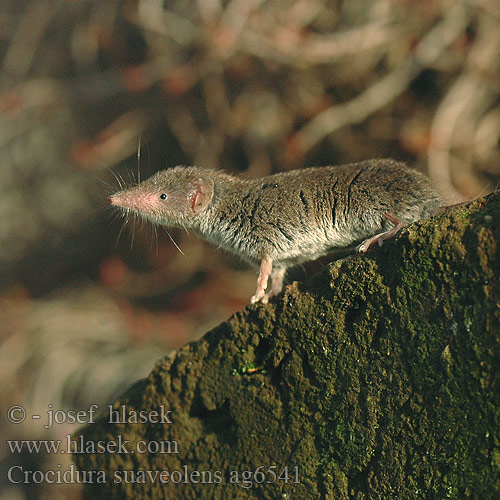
96 93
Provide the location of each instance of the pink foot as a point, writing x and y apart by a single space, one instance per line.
276 284
266 267
379 238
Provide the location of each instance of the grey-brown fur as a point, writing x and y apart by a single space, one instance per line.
295 216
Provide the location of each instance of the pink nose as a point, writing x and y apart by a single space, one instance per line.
122 200
117 200
143 202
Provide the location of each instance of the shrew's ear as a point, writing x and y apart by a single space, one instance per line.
201 194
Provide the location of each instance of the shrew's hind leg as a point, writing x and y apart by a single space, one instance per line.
379 238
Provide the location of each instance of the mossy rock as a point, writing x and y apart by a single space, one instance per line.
377 379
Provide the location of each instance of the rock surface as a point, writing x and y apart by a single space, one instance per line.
379 378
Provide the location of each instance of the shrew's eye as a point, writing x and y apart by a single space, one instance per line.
163 196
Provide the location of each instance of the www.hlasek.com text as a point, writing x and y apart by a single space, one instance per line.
79 445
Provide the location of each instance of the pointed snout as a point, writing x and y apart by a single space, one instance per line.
142 202
126 200
118 200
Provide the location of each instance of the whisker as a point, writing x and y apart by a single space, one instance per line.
173 241
134 219
107 184
125 222
131 177
117 179
113 214
155 228
122 181
139 160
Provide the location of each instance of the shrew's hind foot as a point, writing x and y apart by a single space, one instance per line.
276 284
266 270
379 238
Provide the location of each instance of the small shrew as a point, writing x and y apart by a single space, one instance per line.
314 211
